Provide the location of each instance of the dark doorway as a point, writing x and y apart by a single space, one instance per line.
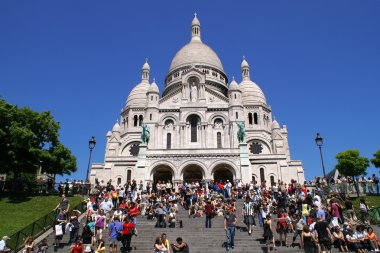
223 174
192 173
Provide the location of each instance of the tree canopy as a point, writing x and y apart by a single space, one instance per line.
350 163
29 141
376 160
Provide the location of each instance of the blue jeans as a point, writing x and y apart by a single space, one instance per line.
208 220
230 233
134 221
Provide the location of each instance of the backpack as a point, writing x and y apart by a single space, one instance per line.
376 180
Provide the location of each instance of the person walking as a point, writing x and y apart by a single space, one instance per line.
209 211
114 228
268 232
128 231
229 226
247 213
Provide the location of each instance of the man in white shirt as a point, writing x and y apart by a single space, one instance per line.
3 244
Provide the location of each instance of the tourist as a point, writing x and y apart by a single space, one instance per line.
299 225
363 207
60 227
180 247
133 211
159 247
63 205
229 226
42 247
349 209
128 231
165 241
282 228
247 213
209 211
172 217
353 241
88 236
373 243
29 244
323 234
3 244
308 240
100 224
77 247
114 229
339 240
268 232
101 247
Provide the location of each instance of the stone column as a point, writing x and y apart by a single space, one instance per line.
245 168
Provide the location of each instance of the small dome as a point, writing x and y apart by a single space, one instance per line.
153 88
146 65
116 127
234 86
275 124
244 63
251 92
137 97
195 21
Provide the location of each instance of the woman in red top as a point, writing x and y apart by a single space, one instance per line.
133 211
77 247
282 225
128 230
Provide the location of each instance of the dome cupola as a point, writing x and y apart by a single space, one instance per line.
251 92
137 97
153 88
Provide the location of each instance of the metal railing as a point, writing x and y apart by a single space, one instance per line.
35 229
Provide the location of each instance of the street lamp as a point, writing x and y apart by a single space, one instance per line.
319 142
91 146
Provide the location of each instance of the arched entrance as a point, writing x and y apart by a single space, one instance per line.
162 173
223 172
192 173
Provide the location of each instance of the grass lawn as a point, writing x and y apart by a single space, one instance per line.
372 201
18 212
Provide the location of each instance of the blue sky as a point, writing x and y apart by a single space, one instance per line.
318 63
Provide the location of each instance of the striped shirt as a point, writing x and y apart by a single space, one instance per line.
248 208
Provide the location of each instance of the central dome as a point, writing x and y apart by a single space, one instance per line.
196 52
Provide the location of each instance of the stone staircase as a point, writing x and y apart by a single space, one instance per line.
199 238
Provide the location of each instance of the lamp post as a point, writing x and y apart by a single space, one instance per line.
319 142
91 146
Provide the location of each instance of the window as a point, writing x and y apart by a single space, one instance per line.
119 181
255 118
151 98
135 120
235 96
250 118
150 116
219 140
194 128
169 141
253 179
129 176
140 120
271 180
262 176
237 115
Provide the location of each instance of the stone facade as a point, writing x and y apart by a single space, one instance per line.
193 130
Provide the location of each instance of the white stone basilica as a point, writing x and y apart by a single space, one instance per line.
193 127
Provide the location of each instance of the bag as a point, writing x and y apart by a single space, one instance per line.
119 236
58 230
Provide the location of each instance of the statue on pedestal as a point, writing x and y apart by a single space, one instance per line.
241 131
145 134
193 93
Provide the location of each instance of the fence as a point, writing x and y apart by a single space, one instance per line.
35 229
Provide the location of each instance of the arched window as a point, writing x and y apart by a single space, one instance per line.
271 180
140 120
254 179
150 116
250 118
262 176
135 120
235 96
169 141
129 176
237 115
119 180
219 140
255 118
194 128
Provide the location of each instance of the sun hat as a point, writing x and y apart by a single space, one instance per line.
6 238
88 249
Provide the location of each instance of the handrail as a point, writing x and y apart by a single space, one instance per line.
35 229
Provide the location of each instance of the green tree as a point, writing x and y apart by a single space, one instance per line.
29 141
376 160
350 163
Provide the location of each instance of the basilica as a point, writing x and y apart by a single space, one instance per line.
193 126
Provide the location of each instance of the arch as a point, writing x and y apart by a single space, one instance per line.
223 172
186 168
250 120
135 120
214 116
124 150
218 140
169 141
194 121
227 164
255 118
119 178
262 175
188 114
273 177
168 116
193 75
254 178
263 141
162 173
141 119
129 175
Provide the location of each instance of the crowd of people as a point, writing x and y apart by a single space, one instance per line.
291 215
